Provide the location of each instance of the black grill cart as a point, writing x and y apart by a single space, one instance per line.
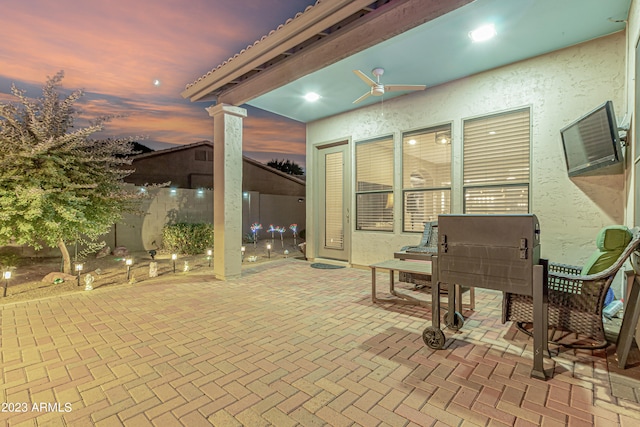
499 252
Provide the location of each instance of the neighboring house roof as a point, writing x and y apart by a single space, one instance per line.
209 144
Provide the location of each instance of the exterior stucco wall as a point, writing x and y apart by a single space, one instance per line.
633 38
558 87
168 206
164 206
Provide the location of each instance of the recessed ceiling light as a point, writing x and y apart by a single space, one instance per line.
483 33
312 97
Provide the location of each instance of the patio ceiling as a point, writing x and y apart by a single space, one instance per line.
415 41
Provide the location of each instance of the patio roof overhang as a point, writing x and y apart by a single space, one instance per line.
323 34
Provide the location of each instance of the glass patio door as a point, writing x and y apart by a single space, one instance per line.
333 212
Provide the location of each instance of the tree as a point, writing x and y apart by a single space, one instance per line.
57 183
289 167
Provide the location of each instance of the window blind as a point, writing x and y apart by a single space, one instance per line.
425 205
374 185
334 232
496 171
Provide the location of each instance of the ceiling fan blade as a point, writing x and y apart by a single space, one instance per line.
363 97
365 78
396 88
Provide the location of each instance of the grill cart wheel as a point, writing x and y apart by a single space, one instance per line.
458 321
433 338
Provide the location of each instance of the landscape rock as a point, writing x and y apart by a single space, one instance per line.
103 252
120 251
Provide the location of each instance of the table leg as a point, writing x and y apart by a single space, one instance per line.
540 320
458 300
392 285
435 294
373 285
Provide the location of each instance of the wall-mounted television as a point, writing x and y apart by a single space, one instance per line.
592 143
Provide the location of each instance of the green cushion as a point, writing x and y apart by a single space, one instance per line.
611 242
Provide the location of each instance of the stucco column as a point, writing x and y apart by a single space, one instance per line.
227 189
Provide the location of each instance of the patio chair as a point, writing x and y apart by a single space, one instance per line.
428 242
576 295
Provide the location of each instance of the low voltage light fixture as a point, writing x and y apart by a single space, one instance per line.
483 33
312 97
128 262
6 275
79 267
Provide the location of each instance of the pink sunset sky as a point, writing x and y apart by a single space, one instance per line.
116 49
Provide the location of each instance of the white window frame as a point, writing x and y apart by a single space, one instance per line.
439 192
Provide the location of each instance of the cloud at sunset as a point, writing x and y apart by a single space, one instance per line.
115 49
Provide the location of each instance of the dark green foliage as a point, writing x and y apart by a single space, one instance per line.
187 238
9 259
286 166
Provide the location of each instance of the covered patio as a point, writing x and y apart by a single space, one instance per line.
286 345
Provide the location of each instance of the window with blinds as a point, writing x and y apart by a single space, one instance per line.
374 185
496 152
426 176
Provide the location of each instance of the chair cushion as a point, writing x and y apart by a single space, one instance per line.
611 242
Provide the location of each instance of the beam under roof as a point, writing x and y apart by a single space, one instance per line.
388 21
312 22
329 31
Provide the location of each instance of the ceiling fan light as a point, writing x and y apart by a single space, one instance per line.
312 97
483 33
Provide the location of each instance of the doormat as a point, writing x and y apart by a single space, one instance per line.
324 266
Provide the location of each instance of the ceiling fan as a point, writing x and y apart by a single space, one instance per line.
379 89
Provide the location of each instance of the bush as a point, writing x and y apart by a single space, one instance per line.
186 238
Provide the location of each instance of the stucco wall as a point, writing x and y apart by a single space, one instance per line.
164 206
558 87
633 38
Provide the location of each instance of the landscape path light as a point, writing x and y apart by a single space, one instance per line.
78 271
6 275
269 250
128 262
242 250
174 257
209 253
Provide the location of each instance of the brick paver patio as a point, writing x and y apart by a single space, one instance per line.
285 345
